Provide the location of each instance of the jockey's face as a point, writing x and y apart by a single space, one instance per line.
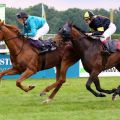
21 21
88 21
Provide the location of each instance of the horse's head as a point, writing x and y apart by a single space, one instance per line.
67 33
64 34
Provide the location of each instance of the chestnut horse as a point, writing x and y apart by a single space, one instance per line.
27 60
93 60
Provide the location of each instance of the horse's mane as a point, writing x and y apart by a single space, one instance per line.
83 32
79 29
13 28
16 30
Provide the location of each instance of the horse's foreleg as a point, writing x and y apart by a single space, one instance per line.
11 71
92 78
24 76
117 91
98 87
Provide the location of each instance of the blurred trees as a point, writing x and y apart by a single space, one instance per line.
56 19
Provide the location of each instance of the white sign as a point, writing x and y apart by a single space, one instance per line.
2 11
110 72
3 48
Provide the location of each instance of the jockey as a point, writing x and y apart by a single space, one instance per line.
101 26
33 26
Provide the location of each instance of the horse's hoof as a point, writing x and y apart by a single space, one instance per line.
47 101
113 97
31 87
113 90
102 95
42 93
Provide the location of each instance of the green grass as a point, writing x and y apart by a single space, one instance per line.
73 102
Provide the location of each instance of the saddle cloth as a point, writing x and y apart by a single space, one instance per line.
43 45
113 45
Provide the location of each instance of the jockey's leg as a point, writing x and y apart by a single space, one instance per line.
42 31
24 76
111 29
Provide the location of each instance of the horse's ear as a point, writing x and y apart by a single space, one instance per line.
70 23
3 22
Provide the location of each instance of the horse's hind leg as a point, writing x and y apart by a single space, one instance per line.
60 80
57 85
118 67
117 91
47 89
24 76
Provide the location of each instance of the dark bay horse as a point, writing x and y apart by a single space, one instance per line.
94 62
27 60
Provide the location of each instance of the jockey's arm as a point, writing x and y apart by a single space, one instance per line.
33 31
97 33
99 29
24 30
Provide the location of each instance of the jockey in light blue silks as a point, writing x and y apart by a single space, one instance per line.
34 27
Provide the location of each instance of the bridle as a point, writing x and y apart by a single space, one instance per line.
13 38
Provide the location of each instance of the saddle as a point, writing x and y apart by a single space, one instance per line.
113 45
43 45
110 46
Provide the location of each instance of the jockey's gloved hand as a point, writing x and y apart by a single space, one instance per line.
88 34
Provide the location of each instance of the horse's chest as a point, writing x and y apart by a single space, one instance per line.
21 66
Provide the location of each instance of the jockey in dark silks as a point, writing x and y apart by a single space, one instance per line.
100 24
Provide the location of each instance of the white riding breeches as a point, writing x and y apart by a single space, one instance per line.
42 31
111 29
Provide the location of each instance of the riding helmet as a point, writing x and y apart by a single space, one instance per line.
88 15
22 15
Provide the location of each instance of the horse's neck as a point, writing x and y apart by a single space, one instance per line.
82 44
14 45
